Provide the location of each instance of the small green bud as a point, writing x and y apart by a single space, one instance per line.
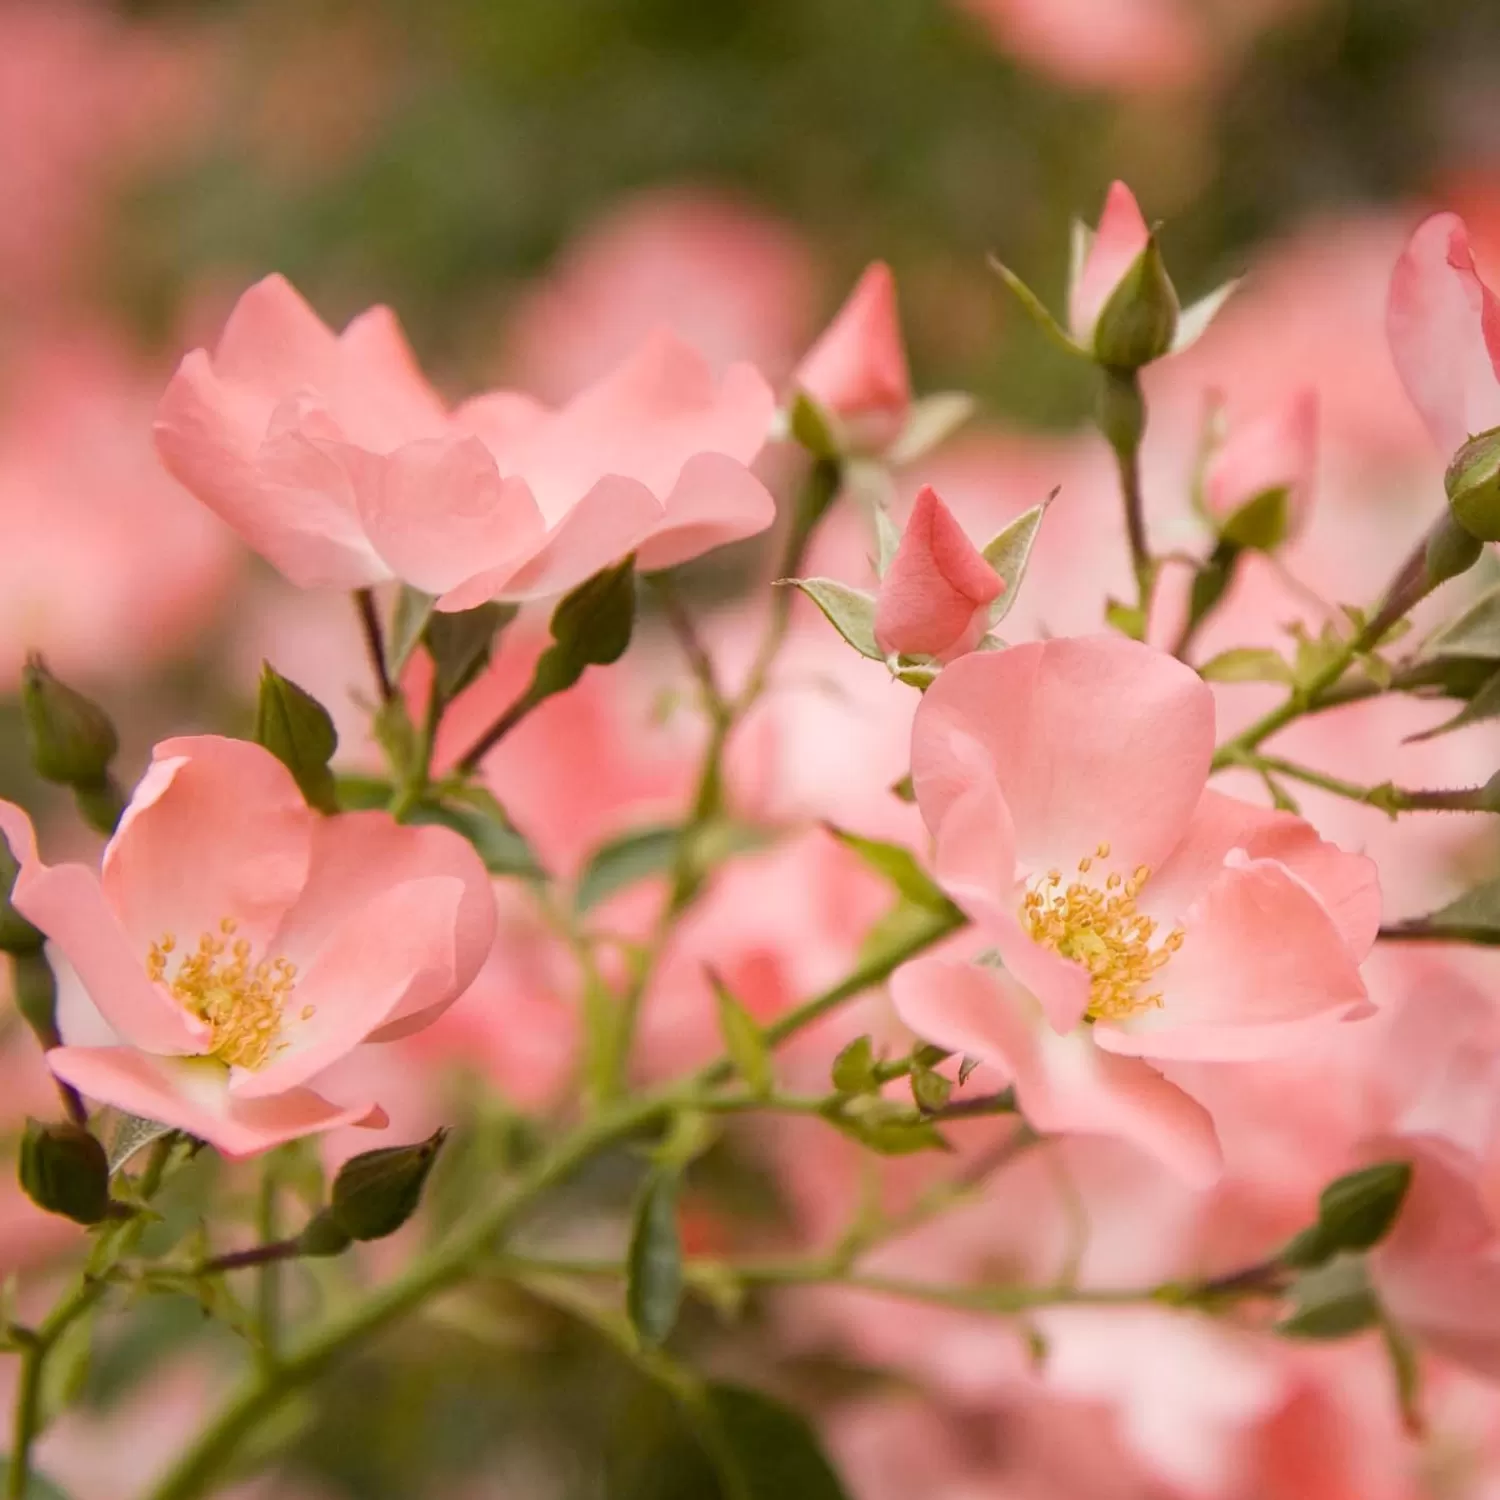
323 1236
1139 321
71 739
17 935
65 1170
1451 550
1355 1212
1473 486
377 1192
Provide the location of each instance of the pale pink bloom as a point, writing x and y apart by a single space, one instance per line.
1444 328
935 599
1119 241
1065 786
1277 450
857 368
234 944
333 457
724 275
107 567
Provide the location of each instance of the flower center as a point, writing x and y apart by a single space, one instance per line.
1102 930
241 1001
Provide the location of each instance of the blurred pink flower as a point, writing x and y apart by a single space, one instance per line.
333 457
1277 450
935 599
1444 327
1091 756
722 274
235 944
107 565
857 368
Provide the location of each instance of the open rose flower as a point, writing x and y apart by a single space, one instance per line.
935 599
234 944
1130 912
333 458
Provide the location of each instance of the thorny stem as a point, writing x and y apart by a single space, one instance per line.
1388 798
369 619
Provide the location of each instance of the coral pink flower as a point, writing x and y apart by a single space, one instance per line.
935 599
234 944
1277 450
1113 249
1137 913
857 369
333 457
1443 323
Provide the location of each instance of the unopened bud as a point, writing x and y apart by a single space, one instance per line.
71 739
17 935
1473 485
64 1169
323 1236
1139 321
375 1193
1451 550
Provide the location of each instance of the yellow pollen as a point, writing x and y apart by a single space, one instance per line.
1103 931
241 1002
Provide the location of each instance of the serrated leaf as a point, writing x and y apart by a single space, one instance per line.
1474 633
1247 664
653 1290
930 422
854 1068
898 865
743 1039
1010 552
408 621
775 1452
848 610
1037 310
496 840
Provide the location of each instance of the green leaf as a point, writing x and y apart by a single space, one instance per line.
849 611
775 1451
475 815
1128 619
902 926
591 627
408 621
1475 633
743 1039
360 793
299 732
1246 664
1009 553
1261 523
812 427
38 1487
1484 705
396 735
931 421
1332 1302
460 643
854 1068
1037 309
1355 1212
622 861
1476 908
899 866
653 1290
886 1126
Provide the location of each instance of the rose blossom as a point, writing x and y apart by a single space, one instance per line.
1137 913
235 943
333 457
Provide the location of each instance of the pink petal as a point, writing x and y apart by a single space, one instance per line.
716 500
356 859
858 365
273 340
1262 963
1064 1084
1278 450
1092 740
934 600
1448 1304
438 512
1121 237
66 902
380 396
216 829
1443 324
397 950
194 1096
1347 884
251 463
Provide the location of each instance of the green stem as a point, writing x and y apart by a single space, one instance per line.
1431 930
419 773
1122 419
369 619
1389 799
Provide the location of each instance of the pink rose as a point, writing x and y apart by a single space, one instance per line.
234 944
935 600
333 457
1112 249
1137 913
